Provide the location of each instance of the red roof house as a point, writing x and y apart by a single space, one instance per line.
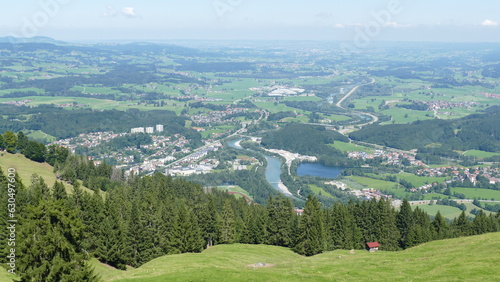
373 246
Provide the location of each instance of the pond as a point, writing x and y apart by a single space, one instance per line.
317 169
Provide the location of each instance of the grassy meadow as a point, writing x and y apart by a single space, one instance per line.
443 260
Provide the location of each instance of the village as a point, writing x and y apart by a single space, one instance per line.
393 157
161 151
492 175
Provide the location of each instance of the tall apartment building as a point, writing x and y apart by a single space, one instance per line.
137 130
159 128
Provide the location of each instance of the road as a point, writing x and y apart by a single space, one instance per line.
339 103
351 128
263 114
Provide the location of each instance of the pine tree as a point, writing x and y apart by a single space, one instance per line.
22 142
39 190
51 233
58 191
440 227
481 224
2 143
111 242
191 238
342 230
387 231
133 236
255 225
461 226
422 219
279 223
405 222
226 224
311 240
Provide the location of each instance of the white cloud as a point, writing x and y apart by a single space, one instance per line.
339 26
110 12
397 25
489 23
129 12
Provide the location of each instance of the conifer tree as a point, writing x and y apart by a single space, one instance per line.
387 231
191 239
481 224
440 227
405 222
226 224
311 240
58 191
111 242
279 223
2 143
22 142
51 233
342 230
461 225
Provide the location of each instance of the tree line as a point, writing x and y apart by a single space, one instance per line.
478 131
139 219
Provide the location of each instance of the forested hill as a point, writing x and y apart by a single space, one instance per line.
480 132
61 123
302 138
307 140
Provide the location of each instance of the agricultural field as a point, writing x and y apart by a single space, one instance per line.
479 193
373 183
480 154
446 211
234 189
319 191
351 147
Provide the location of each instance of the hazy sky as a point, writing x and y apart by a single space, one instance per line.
396 20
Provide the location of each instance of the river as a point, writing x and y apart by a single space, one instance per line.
273 169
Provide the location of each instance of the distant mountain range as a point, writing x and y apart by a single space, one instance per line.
36 39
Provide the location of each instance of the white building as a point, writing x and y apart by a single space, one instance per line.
137 130
159 128
150 130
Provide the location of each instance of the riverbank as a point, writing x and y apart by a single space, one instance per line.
273 169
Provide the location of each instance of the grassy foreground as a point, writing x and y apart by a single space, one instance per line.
473 258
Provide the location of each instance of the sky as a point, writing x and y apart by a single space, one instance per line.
357 21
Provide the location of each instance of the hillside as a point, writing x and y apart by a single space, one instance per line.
480 132
436 261
26 168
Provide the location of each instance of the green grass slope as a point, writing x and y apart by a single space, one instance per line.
26 168
473 258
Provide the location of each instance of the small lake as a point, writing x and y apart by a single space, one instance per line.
317 169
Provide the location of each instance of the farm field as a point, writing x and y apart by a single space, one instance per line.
446 211
471 193
480 154
350 147
320 191
236 189
373 183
